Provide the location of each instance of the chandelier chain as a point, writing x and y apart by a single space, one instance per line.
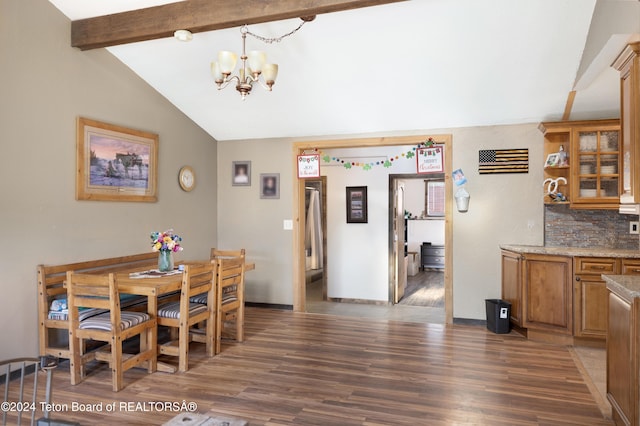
268 40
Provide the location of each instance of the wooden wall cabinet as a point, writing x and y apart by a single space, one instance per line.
628 64
590 295
593 172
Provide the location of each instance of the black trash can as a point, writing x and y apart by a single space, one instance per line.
498 314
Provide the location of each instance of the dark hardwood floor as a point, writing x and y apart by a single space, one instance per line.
312 369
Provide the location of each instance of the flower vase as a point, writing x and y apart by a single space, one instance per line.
165 260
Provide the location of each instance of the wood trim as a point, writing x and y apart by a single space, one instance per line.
299 219
569 105
197 16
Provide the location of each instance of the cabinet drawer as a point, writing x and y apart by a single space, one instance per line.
433 251
432 260
595 265
631 266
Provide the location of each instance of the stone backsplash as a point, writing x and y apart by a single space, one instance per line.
565 227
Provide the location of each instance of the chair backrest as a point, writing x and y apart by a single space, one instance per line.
99 291
230 280
197 279
18 388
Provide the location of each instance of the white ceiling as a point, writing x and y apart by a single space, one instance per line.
414 65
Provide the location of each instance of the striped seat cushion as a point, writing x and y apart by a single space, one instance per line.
199 298
228 298
172 309
103 321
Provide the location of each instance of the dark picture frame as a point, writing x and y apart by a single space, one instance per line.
357 204
115 163
270 185
241 173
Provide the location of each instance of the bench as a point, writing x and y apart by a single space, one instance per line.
54 331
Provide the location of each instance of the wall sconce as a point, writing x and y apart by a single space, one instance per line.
462 200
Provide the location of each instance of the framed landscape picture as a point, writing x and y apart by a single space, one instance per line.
115 163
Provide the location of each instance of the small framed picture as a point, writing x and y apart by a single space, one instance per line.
553 160
356 204
270 185
241 173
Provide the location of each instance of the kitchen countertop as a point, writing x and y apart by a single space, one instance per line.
625 286
572 251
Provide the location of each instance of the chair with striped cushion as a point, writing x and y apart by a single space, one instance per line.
184 315
113 326
229 294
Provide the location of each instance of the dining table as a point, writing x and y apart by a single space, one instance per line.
154 284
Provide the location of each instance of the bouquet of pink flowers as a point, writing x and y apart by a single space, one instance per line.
165 241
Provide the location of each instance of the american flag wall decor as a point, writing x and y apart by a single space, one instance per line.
503 161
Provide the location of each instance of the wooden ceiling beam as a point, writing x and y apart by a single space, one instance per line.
197 16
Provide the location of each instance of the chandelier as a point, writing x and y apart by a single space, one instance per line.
253 68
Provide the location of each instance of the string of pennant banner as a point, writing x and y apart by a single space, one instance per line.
384 163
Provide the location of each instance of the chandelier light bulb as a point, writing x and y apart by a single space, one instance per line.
227 61
256 60
270 72
216 73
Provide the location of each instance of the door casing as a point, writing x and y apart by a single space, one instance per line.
298 282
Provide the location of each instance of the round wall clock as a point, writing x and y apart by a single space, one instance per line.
187 178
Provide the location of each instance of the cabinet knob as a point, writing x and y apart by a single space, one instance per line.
577 278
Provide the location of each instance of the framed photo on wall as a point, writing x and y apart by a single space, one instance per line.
241 173
356 204
114 163
270 185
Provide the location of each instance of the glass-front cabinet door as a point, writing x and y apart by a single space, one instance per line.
595 167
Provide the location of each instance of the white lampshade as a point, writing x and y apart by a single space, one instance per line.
270 72
227 61
215 71
256 60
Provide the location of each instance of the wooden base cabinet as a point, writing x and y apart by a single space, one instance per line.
512 284
622 360
590 295
547 293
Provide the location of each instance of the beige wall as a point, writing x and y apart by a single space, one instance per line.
503 209
44 85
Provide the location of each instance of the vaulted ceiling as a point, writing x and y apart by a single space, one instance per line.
366 66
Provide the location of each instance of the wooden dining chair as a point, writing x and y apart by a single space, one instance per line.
229 294
190 320
113 326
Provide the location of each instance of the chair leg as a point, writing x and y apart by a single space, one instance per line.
76 368
183 348
218 334
116 364
210 335
240 325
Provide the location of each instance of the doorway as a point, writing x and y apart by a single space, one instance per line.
315 241
298 254
417 225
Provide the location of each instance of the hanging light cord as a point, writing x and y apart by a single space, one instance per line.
245 29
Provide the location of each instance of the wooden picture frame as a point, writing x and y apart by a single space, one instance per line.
115 163
241 173
553 160
357 210
270 185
